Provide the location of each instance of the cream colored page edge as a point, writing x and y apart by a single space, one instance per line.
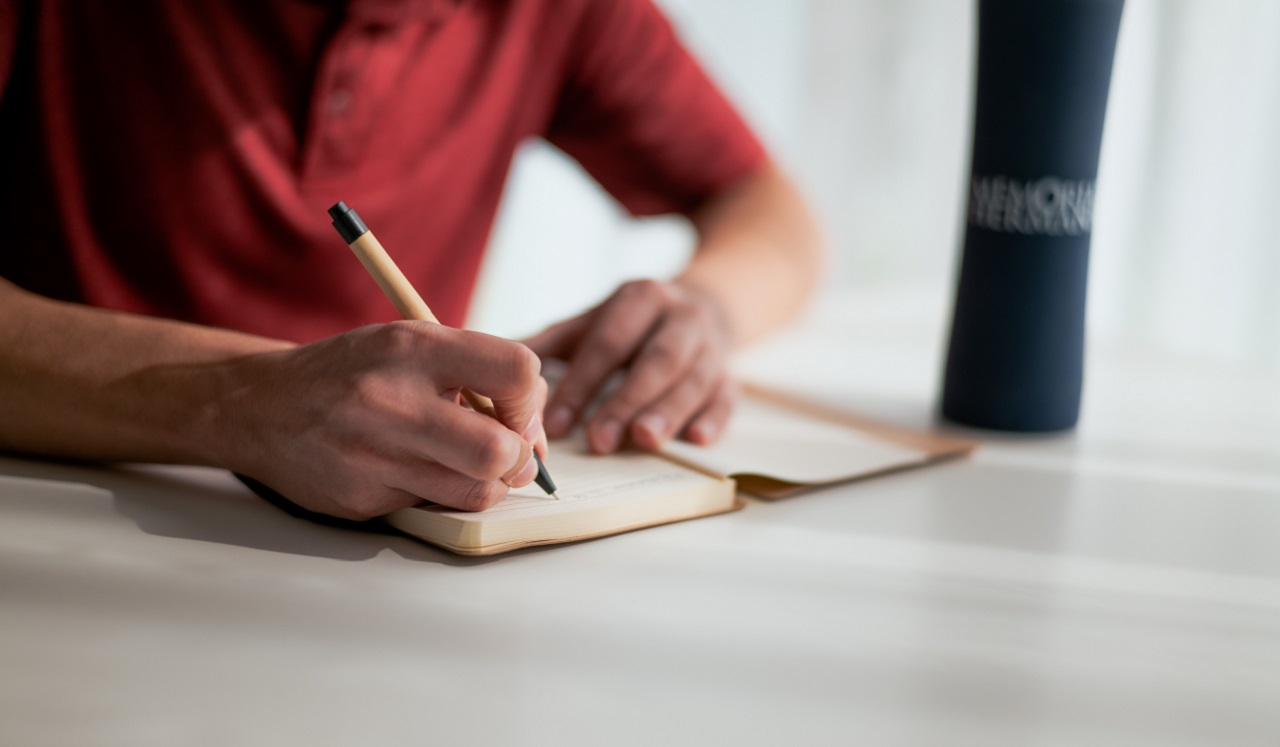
594 492
468 538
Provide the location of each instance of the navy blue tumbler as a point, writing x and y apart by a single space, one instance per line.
1016 354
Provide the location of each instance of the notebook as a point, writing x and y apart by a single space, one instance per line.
774 446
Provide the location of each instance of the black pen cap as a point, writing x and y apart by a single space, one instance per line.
348 223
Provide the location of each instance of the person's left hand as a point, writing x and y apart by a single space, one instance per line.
671 345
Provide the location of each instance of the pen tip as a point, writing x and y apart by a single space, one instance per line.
556 496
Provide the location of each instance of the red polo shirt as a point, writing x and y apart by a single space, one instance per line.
176 158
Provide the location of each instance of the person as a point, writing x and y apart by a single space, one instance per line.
171 292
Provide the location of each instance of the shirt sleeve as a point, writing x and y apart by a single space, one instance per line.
642 116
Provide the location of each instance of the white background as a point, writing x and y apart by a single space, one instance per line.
867 104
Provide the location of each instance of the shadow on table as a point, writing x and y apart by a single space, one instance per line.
164 503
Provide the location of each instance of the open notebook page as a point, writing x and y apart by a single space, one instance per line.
787 445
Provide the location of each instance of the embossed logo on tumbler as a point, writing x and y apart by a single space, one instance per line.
1016 354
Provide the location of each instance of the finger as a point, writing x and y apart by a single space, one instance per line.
473 444
616 333
666 416
505 371
439 484
540 433
492 366
662 362
561 339
707 426
534 432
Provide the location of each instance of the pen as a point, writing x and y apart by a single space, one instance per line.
407 301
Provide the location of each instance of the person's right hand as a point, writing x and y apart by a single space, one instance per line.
369 421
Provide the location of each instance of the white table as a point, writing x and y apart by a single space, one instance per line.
1120 585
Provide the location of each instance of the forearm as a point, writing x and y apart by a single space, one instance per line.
86 383
759 254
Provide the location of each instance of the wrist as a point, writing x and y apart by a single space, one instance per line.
715 307
228 429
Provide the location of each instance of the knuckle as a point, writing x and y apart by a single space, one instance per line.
610 344
397 337
643 290
369 390
666 355
524 366
493 456
404 339
482 495
631 290
661 292
702 376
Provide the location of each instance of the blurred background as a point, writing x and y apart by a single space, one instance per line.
867 104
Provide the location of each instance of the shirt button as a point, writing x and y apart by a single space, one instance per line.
339 102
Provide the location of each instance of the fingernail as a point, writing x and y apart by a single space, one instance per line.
559 420
606 435
654 425
526 473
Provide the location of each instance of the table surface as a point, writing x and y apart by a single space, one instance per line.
1116 585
